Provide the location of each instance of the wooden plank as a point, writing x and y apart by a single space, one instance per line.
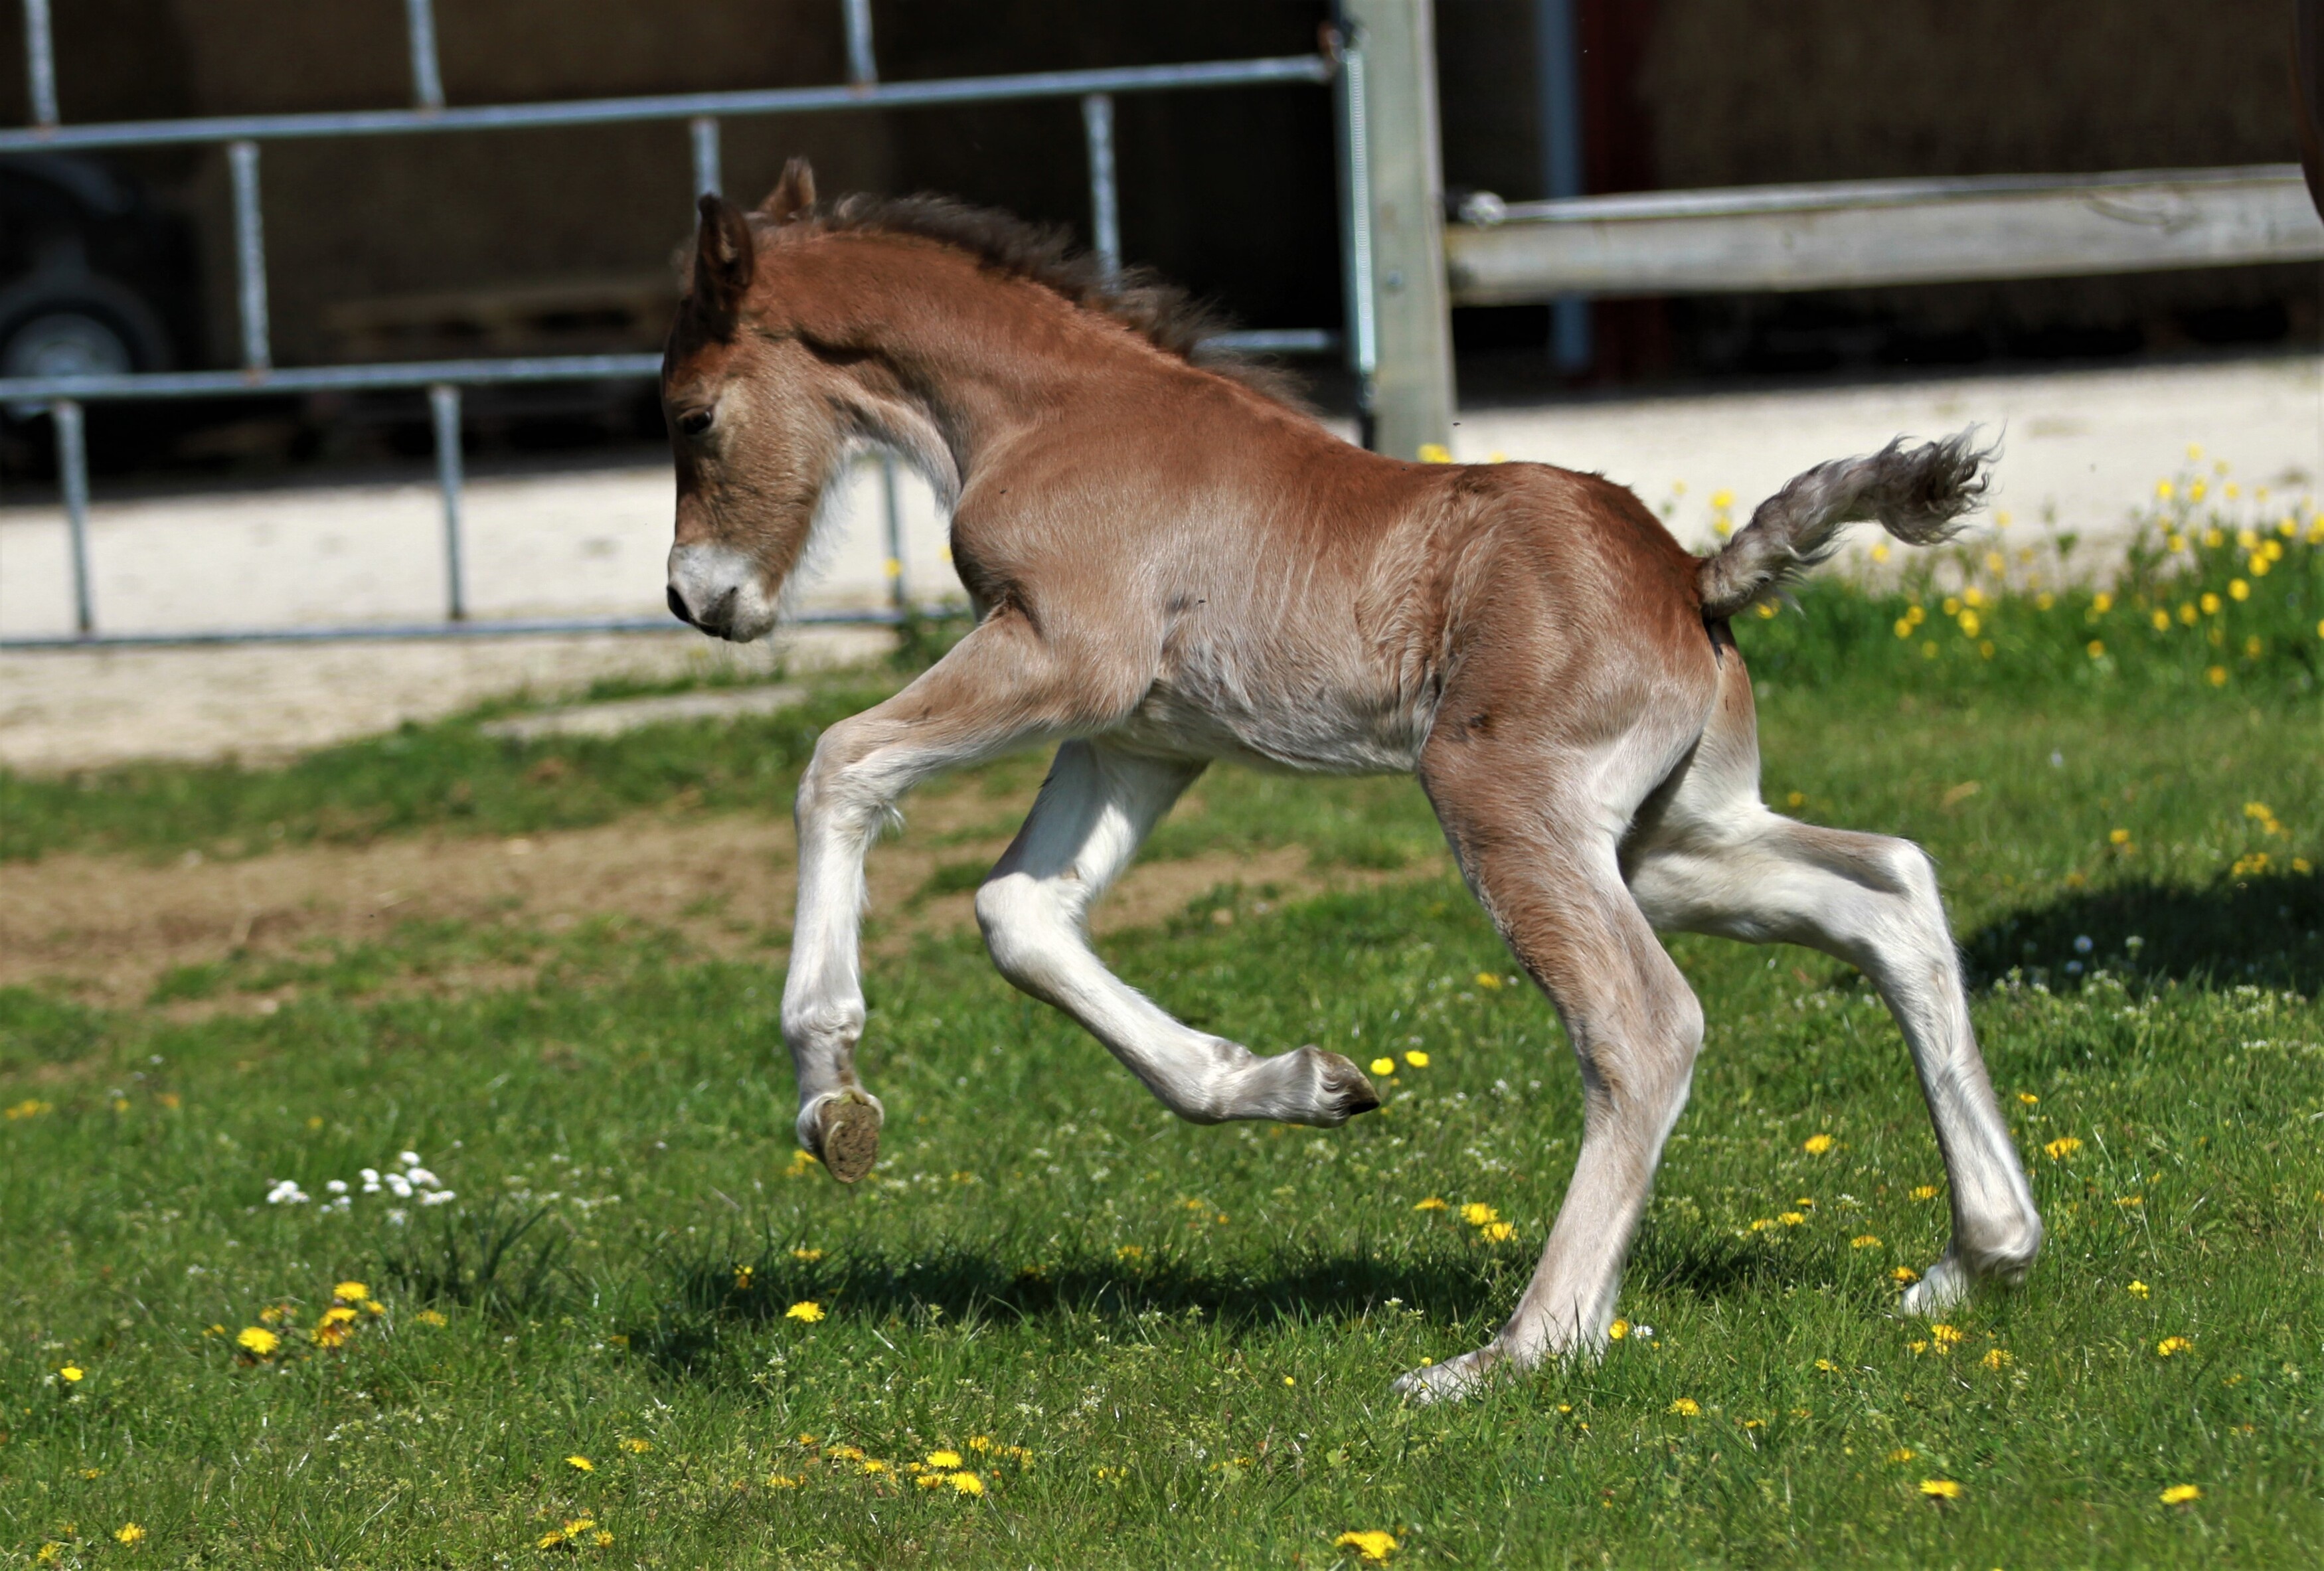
1858 233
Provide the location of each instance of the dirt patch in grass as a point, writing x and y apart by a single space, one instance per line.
109 929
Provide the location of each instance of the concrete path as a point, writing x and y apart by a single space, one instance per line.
2081 449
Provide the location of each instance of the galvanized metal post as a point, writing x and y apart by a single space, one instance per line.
427 77
1557 56
444 403
863 70
72 479
1412 402
1348 105
704 130
891 499
40 62
1105 197
250 256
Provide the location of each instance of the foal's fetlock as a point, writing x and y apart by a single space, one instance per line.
842 1128
1963 1270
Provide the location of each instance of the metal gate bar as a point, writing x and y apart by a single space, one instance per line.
242 134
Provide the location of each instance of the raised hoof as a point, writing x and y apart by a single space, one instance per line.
1343 1091
849 1128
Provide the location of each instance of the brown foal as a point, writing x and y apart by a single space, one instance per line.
1170 566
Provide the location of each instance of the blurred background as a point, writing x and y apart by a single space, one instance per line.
314 509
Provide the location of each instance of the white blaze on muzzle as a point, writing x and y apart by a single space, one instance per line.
720 590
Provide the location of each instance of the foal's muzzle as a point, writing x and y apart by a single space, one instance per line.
716 589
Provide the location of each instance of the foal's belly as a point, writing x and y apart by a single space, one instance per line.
1309 732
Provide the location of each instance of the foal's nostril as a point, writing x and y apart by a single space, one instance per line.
678 607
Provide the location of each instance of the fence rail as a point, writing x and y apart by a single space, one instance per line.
1854 234
244 135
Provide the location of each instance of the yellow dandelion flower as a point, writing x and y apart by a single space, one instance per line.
966 1483
1924 1192
1497 1232
431 1318
604 1540
1383 1066
1940 1489
842 1453
2188 615
1903 1454
1945 1337
930 1479
809 1255
1488 981
2139 1290
636 1446
1997 1358
1374 1546
1477 1215
550 1539
2102 602
351 1292
2096 648
72 1374
339 1315
1864 1240
1416 1058
1433 1203
1970 623
2217 676
873 1464
781 1481
2059 1148
1792 1218
576 1525
1816 1145
2165 490
946 1459
2027 1097
2238 590
580 1464
2131 1201
979 1442
1903 627
1686 1408
128 1533
1826 1366
2181 1494
2171 1346
1131 1251
258 1341
805 1309
1618 1330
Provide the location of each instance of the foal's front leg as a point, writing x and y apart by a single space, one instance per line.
983 698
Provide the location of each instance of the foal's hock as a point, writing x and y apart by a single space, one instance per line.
1169 565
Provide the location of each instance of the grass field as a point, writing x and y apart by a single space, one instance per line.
1061 1329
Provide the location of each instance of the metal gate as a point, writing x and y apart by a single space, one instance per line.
1340 63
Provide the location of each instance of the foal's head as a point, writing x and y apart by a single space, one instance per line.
761 417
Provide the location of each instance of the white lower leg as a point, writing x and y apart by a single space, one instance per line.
1094 811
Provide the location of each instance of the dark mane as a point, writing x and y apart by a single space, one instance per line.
1161 312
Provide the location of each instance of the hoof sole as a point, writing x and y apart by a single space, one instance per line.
851 1138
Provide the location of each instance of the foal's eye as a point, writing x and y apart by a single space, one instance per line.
694 423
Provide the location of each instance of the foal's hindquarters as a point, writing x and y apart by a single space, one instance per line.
1581 841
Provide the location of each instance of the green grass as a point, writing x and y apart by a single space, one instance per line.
1041 1260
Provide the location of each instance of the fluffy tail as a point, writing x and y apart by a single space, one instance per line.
1918 494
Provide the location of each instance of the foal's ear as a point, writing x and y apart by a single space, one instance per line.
793 194
724 256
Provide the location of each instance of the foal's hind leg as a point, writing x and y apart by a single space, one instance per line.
1709 858
1096 806
1534 839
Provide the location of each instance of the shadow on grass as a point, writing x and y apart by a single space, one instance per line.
708 1294
2262 929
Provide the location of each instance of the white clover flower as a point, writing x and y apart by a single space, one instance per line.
337 1186
409 1159
286 1192
401 1185
422 1176
399 1217
436 1197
